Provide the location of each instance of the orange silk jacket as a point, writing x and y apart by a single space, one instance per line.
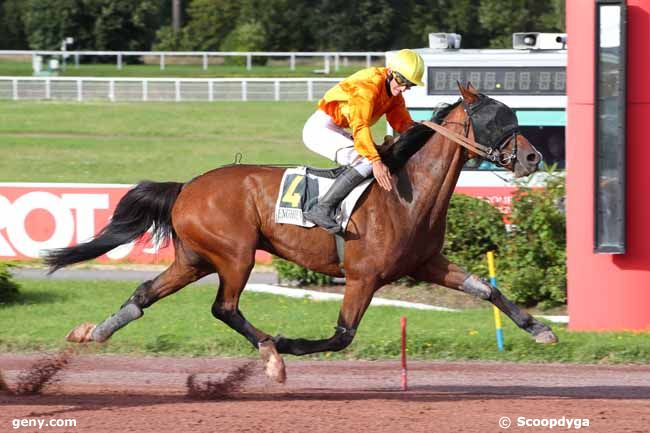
359 101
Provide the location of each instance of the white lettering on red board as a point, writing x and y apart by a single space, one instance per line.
73 215
5 212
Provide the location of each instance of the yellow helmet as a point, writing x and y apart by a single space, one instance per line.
409 64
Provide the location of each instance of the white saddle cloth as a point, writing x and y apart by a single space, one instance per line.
298 191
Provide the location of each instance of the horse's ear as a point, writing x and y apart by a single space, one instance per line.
469 93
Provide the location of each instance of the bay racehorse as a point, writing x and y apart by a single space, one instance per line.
217 221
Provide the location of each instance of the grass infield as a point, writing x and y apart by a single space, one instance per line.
275 69
183 325
129 142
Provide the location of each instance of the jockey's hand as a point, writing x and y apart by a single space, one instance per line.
382 174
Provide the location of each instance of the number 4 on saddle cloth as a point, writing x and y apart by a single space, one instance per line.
299 192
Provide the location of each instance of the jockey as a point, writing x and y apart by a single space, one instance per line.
357 103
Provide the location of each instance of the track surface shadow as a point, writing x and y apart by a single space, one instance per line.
106 401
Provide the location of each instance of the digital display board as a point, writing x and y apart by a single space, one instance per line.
543 80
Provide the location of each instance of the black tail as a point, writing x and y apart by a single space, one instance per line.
148 204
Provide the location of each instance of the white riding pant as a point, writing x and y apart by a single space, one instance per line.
328 139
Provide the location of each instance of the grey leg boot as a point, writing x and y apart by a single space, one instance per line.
323 213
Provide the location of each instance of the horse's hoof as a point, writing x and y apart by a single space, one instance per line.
546 337
273 361
81 334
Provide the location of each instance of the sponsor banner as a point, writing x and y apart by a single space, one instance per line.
36 217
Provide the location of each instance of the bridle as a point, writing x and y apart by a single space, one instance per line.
501 128
497 129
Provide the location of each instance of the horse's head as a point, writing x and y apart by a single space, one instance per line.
495 126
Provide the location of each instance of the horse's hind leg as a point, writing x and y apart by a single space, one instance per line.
441 271
233 275
357 297
186 269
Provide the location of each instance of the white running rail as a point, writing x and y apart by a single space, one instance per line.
337 57
163 89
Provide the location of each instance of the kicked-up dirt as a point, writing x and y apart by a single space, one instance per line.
162 394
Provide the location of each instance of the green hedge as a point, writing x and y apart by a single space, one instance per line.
8 288
474 227
535 257
530 255
295 274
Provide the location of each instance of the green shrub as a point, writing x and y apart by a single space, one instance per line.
292 273
8 288
169 40
536 249
474 227
248 36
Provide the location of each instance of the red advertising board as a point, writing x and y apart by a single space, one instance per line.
36 217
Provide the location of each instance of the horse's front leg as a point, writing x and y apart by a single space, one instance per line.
356 300
445 273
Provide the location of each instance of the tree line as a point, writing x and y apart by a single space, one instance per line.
270 25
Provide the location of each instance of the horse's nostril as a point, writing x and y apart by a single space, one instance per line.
533 158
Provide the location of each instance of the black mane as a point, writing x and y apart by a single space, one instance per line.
412 140
442 110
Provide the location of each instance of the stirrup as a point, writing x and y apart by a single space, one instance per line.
337 229
322 219
321 214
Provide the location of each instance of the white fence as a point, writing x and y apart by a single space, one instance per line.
328 57
164 89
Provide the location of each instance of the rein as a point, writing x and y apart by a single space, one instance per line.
469 144
492 154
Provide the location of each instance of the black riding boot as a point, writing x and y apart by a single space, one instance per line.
323 213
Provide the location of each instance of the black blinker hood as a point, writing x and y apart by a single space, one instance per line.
492 121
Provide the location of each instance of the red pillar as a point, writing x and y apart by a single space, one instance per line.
607 292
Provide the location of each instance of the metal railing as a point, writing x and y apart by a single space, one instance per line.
164 89
328 57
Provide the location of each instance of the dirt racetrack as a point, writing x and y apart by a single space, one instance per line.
146 394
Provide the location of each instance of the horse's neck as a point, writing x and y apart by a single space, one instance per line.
434 172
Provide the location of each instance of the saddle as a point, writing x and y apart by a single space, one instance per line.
300 189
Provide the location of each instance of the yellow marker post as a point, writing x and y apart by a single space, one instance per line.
497 313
